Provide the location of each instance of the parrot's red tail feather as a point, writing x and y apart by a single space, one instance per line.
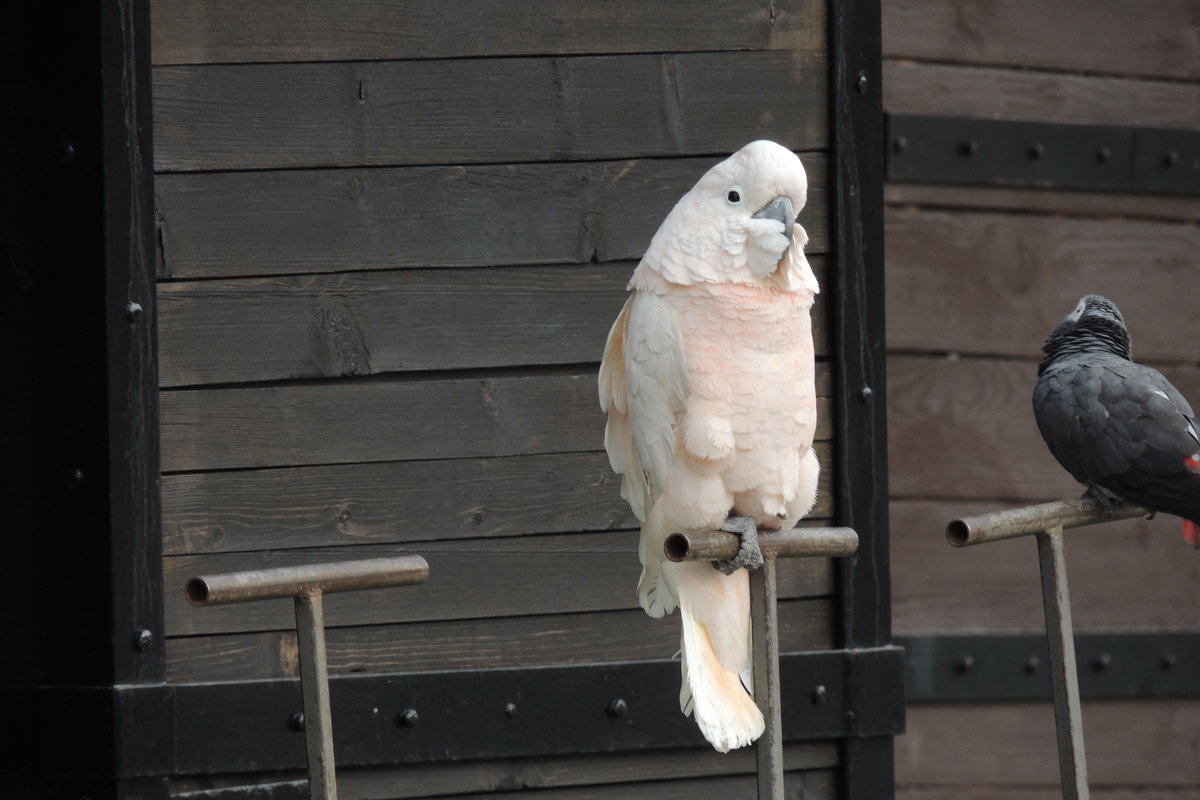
1191 533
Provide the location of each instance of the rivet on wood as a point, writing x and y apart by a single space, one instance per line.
964 664
968 147
1036 150
1103 155
296 722
616 708
510 710
1031 664
133 311
899 144
865 394
1170 159
408 718
1102 662
860 83
1167 662
818 695
143 639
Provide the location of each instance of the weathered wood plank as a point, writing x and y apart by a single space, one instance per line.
469 580
964 428
1151 743
547 772
260 329
1045 201
948 90
995 588
561 109
1161 39
265 223
996 283
811 785
342 422
1010 792
352 30
278 509
624 635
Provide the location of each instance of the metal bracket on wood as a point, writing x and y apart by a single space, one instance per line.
764 619
307 585
1047 522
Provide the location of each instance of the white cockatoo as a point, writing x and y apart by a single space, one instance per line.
708 382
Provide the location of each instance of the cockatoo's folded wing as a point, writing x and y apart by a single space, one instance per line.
643 387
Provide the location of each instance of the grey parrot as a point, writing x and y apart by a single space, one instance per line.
1118 427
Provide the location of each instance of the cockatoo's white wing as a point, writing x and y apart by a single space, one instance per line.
643 387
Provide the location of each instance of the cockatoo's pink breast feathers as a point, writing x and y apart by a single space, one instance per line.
736 225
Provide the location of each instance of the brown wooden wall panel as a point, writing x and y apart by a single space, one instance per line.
341 422
526 109
958 91
497 578
1156 39
353 30
288 221
997 283
586 637
1147 744
412 781
1135 575
261 329
964 428
278 509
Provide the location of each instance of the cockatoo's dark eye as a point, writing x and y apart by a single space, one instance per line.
734 196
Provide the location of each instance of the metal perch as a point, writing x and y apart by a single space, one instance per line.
308 586
1047 522
764 618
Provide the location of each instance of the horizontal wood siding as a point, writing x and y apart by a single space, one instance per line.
976 279
392 239
222 31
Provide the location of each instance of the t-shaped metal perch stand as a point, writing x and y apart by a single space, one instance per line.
308 586
1047 522
764 618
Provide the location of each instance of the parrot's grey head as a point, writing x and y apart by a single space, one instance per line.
738 223
1096 325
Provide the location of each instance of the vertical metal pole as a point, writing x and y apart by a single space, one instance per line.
1068 718
314 682
764 633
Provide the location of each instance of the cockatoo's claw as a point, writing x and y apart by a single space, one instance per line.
749 555
1108 499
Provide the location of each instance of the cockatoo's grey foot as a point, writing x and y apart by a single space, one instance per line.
749 555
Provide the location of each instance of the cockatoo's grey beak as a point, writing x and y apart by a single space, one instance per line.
781 209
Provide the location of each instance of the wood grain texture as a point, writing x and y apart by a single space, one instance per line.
279 509
624 635
343 422
290 221
1159 39
1133 575
261 329
998 283
992 791
958 91
963 428
355 30
412 781
1044 201
256 116
468 580
1148 744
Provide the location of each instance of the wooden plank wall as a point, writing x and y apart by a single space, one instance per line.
392 238
975 280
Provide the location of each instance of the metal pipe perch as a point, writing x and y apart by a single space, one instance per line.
307 585
764 619
1047 522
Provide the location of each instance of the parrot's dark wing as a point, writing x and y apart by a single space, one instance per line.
1122 426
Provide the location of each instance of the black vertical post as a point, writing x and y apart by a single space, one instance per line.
98 581
857 172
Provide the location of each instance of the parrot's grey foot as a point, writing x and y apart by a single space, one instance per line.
749 555
1101 495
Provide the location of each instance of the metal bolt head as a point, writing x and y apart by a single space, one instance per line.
1036 150
864 394
1167 662
66 153
899 144
1102 662
408 718
510 710
1103 155
75 476
143 639
968 147
818 695
1031 664
860 83
964 664
616 708
296 721
1170 159
133 311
